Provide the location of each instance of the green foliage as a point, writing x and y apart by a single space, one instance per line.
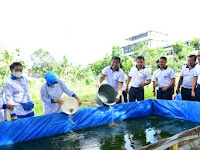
98 66
178 46
127 63
151 55
116 51
195 43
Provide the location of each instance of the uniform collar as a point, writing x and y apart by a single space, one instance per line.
192 67
139 69
113 70
14 78
164 68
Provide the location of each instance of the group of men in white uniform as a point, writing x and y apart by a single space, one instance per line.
163 79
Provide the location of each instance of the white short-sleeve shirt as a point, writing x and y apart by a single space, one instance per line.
197 73
154 75
124 84
188 75
114 77
139 76
165 76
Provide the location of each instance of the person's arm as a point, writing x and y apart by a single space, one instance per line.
101 79
154 84
27 92
45 97
129 79
2 105
154 88
147 78
172 83
10 103
179 85
127 85
69 92
169 85
119 91
194 84
120 85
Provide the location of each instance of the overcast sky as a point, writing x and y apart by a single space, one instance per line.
85 30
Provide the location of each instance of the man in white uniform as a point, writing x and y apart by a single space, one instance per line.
186 79
115 77
139 77
166 80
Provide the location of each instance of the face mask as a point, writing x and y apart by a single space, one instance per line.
53 86
17 74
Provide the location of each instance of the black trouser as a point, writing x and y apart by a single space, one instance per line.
165 94
136 93
124 93
187 94
197 93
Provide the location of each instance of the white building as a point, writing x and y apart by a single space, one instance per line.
154 38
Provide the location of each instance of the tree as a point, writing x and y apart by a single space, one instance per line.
127 63
116 51
178 46
195 43
42 62
98 66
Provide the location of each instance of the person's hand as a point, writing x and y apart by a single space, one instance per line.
193 94
14 118
154 93
118 98
79 102
98 85
164 88
60 102
177 90
141 85
10 107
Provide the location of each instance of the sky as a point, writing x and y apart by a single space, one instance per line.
85 30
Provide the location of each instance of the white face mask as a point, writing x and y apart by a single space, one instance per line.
17 74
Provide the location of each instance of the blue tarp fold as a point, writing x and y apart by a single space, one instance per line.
40 126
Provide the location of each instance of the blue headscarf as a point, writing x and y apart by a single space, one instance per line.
50 78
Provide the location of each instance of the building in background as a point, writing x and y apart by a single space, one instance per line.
154 39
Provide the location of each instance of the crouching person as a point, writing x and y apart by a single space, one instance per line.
51 93
17 93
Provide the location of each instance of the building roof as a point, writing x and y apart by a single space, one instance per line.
146 32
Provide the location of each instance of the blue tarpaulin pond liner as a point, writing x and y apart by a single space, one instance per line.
47 125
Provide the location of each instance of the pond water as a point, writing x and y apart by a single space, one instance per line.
128 134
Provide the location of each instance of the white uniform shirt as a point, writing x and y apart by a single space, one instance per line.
197 73
16 92
48 94
164 76
139 76
124 84
154 74
3 115
114 77
188 75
